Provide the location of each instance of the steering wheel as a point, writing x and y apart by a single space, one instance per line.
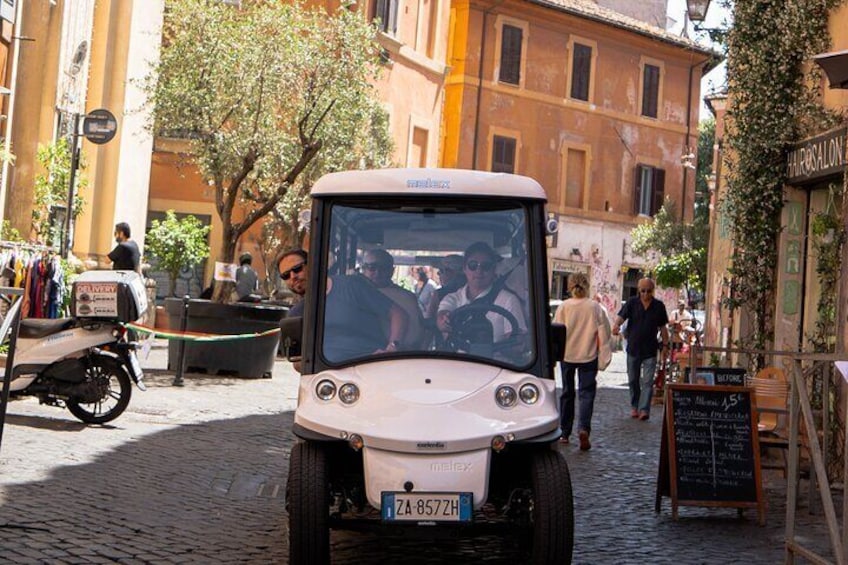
463 336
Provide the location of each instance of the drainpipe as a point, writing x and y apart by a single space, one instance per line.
7 135
480 84
687 148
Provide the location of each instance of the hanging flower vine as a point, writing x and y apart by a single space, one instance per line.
775 101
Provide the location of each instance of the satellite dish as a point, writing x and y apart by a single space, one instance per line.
552 225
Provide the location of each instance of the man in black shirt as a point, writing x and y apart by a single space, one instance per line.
645 316
125 256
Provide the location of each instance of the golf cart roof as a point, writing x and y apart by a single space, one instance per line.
421 181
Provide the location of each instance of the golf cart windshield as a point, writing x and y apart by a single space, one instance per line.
431 277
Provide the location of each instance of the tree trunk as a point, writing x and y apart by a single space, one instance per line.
224 289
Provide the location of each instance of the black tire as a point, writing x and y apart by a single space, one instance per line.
116 386
553 509
308 505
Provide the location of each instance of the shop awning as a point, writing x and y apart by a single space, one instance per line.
835 66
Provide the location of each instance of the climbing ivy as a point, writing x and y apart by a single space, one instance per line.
775 100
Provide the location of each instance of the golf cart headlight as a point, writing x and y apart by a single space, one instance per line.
349 393
326 390
529 394
505 396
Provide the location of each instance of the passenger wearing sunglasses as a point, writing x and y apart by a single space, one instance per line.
645 317
293 271
480 272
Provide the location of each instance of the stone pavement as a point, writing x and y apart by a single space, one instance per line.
197 475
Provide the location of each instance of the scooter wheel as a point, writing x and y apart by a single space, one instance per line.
116 388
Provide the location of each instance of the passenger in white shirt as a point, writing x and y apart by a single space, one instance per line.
479 269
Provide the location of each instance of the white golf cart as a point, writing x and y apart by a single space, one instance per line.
457 430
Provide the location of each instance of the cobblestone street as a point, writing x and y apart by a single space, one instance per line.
197 474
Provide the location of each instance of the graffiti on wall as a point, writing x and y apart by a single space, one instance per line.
605 282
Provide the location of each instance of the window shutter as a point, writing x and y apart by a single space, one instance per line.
650 90
637 190
510 54
658 190
393 16
580 71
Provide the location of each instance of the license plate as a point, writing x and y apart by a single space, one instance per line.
426 507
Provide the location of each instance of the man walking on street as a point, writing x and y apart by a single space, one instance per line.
645 316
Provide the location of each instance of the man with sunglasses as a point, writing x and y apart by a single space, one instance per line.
645 317
293 272
480 272
378 266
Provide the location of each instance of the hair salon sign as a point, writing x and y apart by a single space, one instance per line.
817 157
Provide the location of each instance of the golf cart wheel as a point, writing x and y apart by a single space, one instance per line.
308 505
553 509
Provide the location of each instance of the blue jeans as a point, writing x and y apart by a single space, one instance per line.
586 373
640 379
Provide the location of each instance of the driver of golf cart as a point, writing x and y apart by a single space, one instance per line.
492 313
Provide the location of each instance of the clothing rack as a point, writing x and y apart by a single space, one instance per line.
27 246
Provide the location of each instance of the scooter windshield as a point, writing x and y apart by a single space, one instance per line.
428 279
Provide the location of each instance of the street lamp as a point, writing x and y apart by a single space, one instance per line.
697 10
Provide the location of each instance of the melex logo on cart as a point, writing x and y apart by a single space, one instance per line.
451 467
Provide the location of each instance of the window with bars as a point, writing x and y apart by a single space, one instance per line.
581 69
650 90
386 13
649 191
510 70
503 154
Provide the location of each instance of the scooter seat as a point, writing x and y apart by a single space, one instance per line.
34 328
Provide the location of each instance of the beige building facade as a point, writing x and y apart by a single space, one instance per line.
65 60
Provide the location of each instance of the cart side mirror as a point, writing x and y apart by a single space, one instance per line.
291 330
557 341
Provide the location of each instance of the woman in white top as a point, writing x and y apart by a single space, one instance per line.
582 317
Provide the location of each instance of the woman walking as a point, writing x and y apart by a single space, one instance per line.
584 322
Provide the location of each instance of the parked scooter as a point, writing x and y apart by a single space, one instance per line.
83 363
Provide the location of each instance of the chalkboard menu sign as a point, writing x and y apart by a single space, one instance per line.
709 454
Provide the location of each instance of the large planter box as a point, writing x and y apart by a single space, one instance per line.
251 358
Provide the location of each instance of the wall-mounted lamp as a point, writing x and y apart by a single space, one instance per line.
697 10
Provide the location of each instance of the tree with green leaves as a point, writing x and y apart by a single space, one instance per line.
269 95
678 250
177 243
51 190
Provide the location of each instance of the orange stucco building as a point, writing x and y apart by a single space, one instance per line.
599 107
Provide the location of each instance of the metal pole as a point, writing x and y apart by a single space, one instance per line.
15 312
69 210
178 379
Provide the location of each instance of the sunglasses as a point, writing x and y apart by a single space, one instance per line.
646 291
485 265
286 275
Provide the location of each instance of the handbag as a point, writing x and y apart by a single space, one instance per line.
604 349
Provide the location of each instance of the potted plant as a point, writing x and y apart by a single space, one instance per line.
176 243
